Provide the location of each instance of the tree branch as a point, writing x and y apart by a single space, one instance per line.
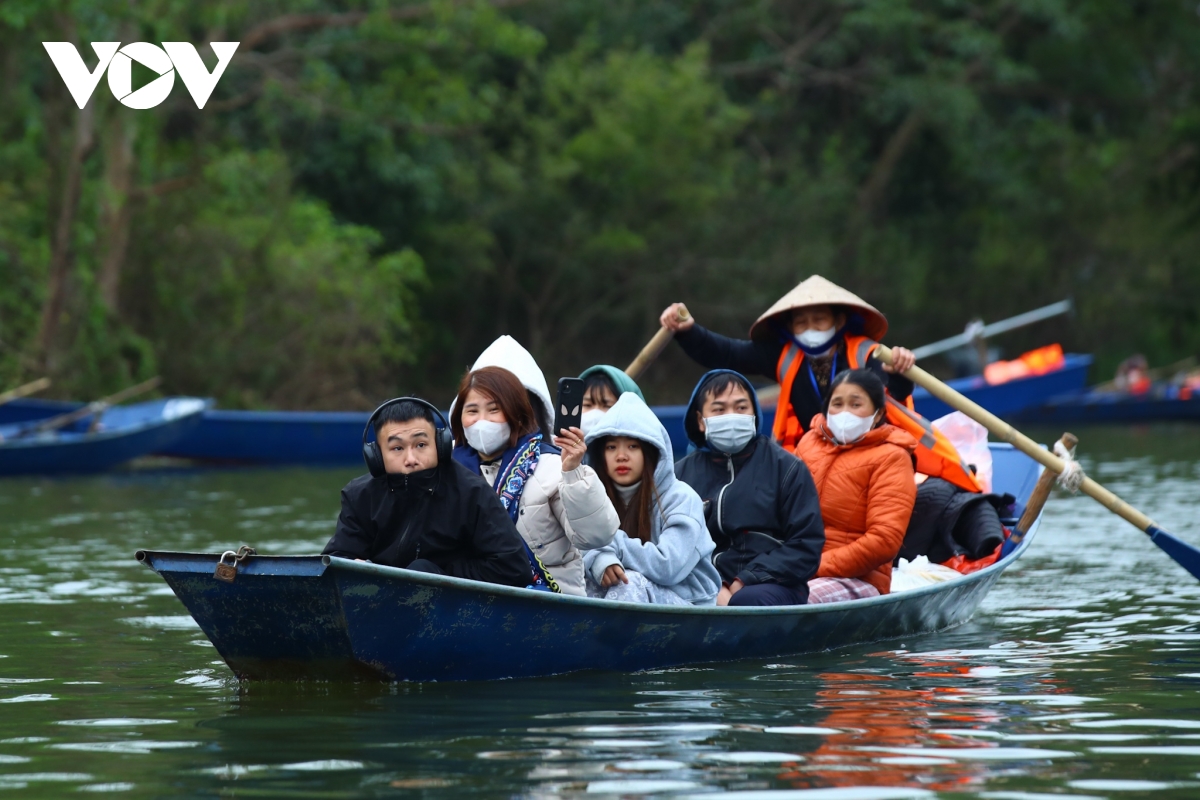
301 23
792 54
881 173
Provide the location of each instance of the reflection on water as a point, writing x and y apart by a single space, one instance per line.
1079 678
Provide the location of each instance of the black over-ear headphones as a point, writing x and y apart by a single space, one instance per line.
443 437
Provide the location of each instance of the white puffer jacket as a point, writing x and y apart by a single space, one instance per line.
561 515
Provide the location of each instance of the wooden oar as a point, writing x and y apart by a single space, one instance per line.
1185 554
1037 500
996 328
655 346
33 387
96 407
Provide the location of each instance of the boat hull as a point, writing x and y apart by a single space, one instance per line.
130 432
275 437
1112 408
321 618
328 618
1010 399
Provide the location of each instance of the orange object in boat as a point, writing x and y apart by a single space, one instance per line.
1035 362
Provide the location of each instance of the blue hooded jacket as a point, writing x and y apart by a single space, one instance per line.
677 555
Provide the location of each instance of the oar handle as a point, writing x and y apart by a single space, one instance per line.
656 345
1007 433
96 407
33 387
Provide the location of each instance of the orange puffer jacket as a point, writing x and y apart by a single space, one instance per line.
867 494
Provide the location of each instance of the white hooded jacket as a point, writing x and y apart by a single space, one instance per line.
560 514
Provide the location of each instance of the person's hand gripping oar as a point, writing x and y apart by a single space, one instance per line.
674 318
1184 554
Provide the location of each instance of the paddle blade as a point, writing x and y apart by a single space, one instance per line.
1011 543
1184 554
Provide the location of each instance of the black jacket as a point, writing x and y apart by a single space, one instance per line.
761 507
948 521
714 351
446 515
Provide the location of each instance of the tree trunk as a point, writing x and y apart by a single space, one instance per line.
61 252
115 210
881 175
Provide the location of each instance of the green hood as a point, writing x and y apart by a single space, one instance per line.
623 382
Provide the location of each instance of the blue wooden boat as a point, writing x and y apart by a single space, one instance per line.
1011 398
275 438
322 618
28 409
122 434
317 438
332 438
1098 408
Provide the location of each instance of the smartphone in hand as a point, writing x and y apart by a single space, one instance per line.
568 410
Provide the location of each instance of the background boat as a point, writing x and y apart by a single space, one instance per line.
1092 407
275 437
308 617
1013 397
334 437
123 433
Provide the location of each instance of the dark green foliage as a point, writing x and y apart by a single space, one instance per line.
367 201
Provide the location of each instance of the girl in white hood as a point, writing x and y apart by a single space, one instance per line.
558 504
662 552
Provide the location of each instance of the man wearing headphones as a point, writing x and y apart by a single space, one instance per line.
421 510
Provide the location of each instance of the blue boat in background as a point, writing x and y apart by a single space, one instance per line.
1099 408
29 410
333 438
323 618
121 434
275 438
1009 399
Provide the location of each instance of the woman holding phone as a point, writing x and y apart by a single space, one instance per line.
662 553
558 503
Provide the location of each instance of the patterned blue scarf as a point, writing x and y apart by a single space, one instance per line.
510 483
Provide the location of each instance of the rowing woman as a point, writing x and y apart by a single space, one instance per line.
812 333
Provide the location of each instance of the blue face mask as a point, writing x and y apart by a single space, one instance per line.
729 433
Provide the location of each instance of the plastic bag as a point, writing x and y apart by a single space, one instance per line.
919 572
970 440
960 563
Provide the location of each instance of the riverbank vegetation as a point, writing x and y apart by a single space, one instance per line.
376 190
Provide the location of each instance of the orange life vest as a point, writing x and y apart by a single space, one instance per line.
935 454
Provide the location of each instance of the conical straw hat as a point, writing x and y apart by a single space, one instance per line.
816 291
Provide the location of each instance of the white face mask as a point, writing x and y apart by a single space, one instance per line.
487 437
589 419
847 427
729 433
815 339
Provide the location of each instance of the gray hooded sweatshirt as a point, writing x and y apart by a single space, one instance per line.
678 554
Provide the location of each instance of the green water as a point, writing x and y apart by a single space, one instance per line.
1079 677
